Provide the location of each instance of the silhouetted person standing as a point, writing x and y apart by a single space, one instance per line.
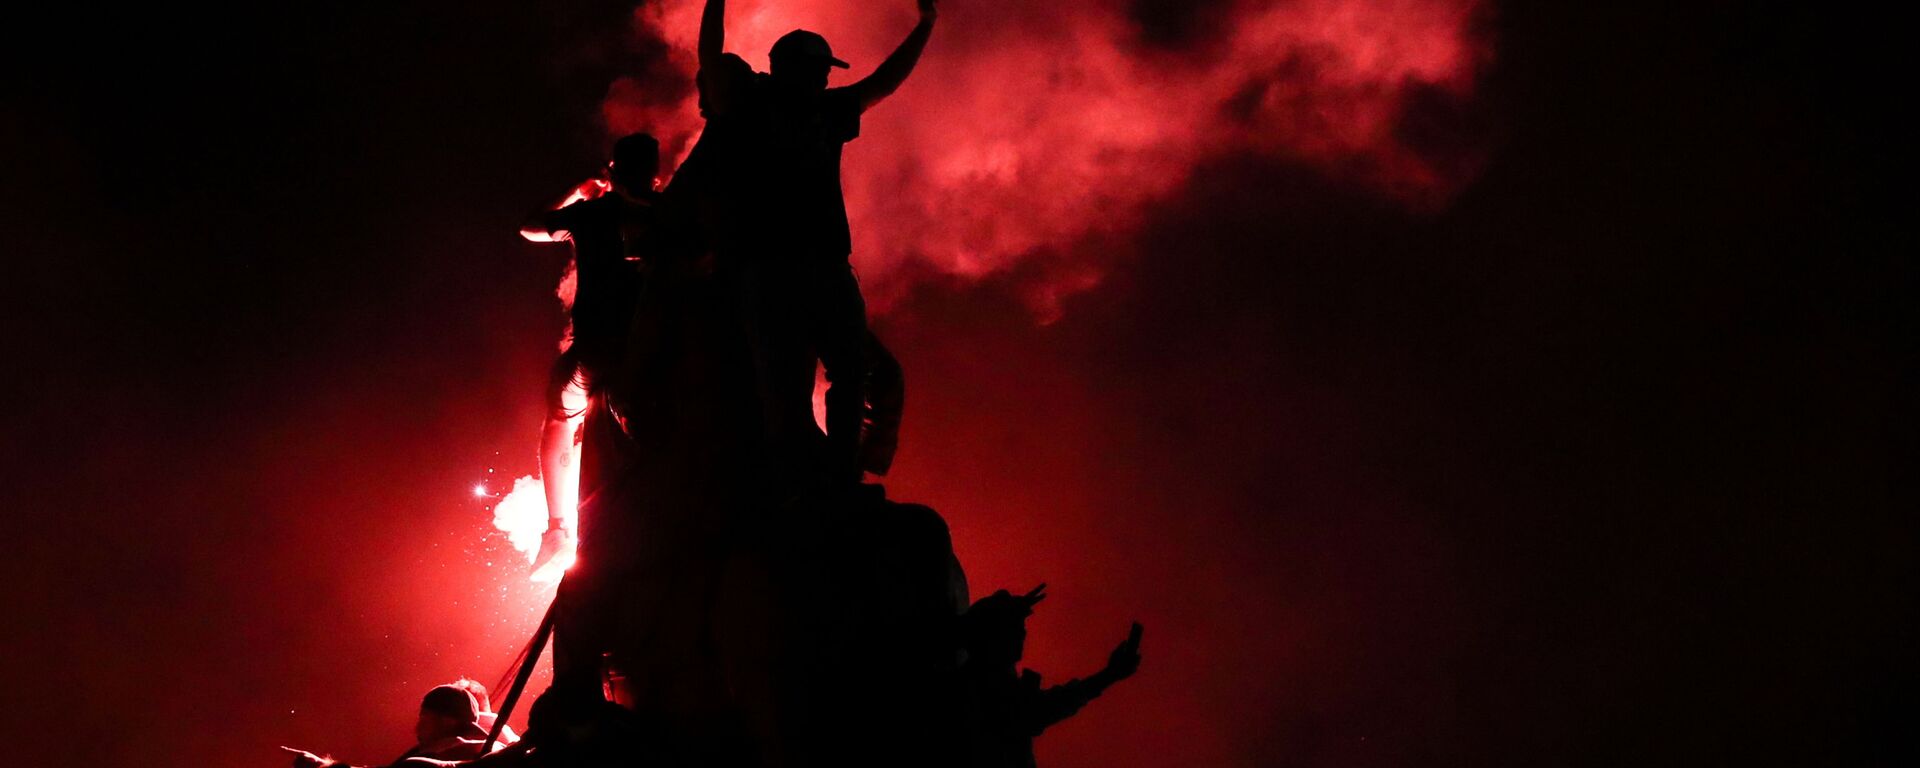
771 158
1006 707
609 232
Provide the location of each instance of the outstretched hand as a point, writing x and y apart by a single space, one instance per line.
929 10
1125 659
305 759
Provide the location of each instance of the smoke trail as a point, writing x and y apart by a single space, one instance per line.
522 516
1031 127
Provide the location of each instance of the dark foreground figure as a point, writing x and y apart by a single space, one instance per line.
740 598
1007 708
448 730
764 184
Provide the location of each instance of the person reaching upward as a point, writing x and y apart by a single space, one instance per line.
768 171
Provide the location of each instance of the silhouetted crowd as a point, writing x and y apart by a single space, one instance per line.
740 597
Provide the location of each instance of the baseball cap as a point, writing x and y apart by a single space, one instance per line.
450 701
803 44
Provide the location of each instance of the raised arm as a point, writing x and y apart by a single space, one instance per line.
713 33
891 73
1062 701
541 226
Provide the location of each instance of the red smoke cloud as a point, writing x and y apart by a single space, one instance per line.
1031 129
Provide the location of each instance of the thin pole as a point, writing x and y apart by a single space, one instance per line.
520 680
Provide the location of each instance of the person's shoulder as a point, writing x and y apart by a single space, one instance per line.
726 85
843 97
846 105
606 204
641 207
729 70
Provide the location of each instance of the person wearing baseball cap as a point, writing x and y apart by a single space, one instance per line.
766 174
448 729
800 47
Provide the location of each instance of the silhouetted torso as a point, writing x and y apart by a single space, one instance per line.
782 164
609 235
805 135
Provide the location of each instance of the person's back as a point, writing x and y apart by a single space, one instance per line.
609 233
717 182
803 136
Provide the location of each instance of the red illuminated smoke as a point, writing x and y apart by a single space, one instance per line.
1031 126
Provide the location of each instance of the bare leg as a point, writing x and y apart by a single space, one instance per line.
560 465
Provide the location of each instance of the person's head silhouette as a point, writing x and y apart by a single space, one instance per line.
446 712
636 162
800 61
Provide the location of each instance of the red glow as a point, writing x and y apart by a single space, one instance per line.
522 516
1028 127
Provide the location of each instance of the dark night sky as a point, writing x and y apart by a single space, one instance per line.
1597 465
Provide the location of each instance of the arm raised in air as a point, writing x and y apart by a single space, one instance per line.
891 73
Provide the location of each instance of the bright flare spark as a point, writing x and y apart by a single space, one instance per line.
522 516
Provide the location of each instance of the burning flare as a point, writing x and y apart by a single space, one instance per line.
522 513
522 516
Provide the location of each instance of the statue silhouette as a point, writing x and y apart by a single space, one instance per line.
1007 708
740 598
